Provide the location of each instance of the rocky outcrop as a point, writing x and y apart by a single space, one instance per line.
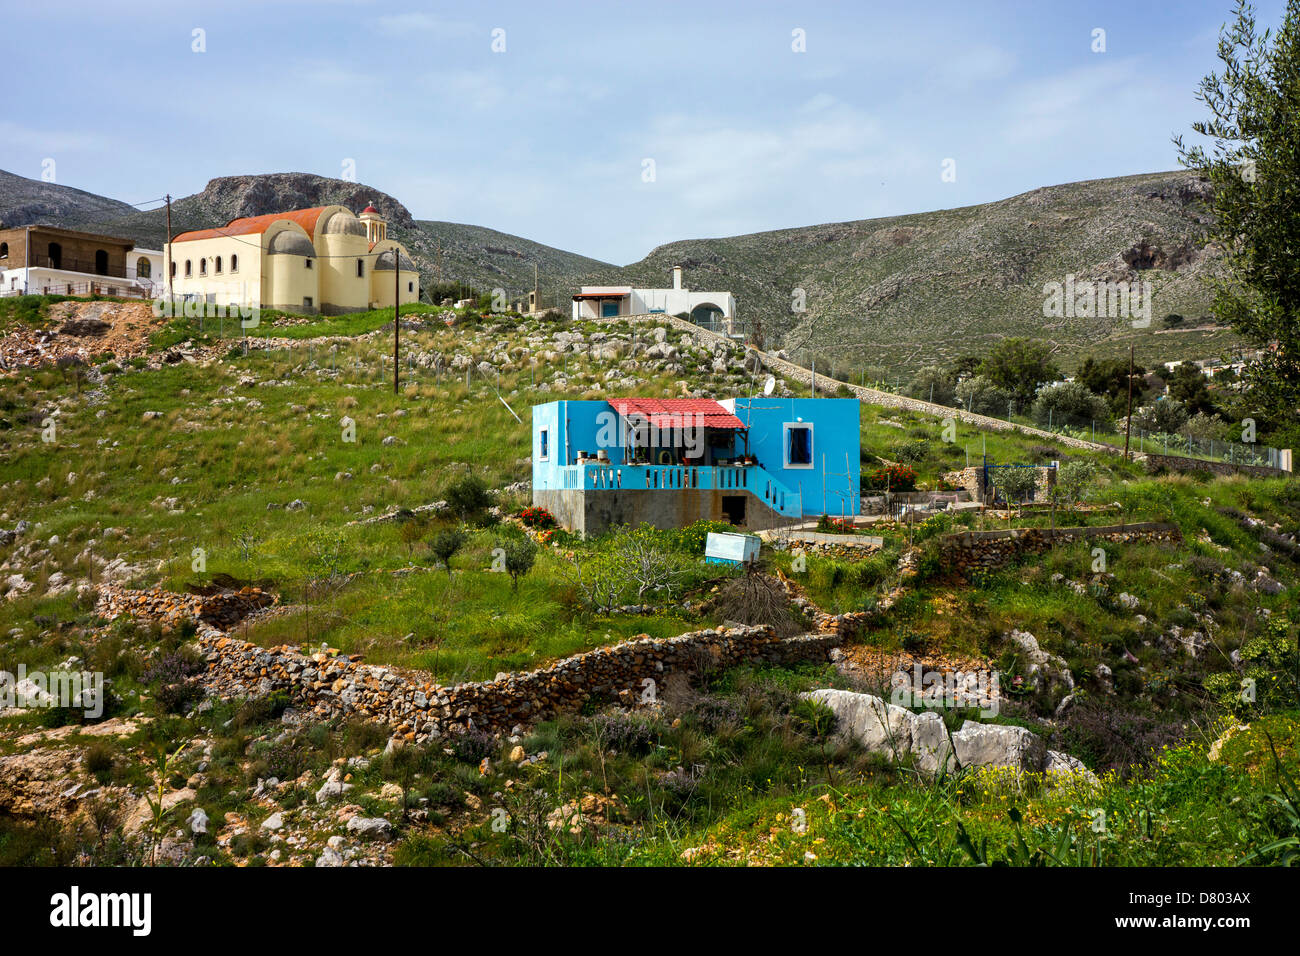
1046 673
901 735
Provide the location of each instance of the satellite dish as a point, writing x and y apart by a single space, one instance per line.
769 385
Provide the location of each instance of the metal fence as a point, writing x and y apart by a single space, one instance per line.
119 288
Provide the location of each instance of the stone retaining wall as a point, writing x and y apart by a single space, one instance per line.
1180 464
333 685
872 396
221 610
988 550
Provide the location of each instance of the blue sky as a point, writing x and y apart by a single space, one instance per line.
549 139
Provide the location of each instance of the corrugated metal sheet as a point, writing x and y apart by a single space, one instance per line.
674 412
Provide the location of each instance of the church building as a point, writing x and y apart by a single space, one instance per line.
325 260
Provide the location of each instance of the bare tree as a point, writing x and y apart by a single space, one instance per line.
648 566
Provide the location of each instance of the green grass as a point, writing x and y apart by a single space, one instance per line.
232 456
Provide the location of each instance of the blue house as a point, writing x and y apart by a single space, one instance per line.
754 462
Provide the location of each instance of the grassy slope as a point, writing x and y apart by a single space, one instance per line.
224 457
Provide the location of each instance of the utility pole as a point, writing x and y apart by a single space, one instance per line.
171 295
1128 424
397 309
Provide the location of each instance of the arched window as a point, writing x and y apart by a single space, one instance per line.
143 268
234 262
173 270
189 268
4 250
218 265
203 266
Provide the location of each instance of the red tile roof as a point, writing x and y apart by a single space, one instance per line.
256 225
676 412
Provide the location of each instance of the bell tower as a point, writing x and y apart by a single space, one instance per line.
376 228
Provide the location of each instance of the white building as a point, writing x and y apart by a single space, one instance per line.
711 309
50 260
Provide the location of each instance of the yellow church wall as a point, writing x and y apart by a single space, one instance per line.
241 285
341 289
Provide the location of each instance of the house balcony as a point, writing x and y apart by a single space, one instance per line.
752 478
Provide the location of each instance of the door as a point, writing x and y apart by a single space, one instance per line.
733 509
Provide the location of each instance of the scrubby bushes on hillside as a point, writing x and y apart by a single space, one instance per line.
1069 403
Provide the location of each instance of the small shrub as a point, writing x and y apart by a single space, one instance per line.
468 498
890 478
537 517
473 746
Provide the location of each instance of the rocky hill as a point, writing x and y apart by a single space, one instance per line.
890 294
26 201
482 258
910 290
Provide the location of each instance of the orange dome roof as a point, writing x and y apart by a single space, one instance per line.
256 225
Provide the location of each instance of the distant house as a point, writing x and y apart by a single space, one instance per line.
48 260
710 309
324 260
754 462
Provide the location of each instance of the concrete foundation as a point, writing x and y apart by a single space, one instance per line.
591 513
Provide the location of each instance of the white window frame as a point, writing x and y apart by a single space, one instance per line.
785 445
544 444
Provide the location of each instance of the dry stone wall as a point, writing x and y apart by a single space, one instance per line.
872 396
335 685
989 550
1180 464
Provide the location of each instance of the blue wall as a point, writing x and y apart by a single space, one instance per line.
832 485
571 427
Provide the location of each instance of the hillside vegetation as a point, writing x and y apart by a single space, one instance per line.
244 457
882 296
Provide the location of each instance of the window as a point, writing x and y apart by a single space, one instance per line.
307 263
4 250
143 268
798 445
203 266
55 252
361 268
173 270
101 262
189 268
410 287
544 445
306 302
234 262
218 265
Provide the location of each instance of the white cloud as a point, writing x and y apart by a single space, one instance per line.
404 24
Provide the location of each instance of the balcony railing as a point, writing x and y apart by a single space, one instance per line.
116 288
84 266
600 476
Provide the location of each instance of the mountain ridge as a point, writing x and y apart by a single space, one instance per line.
894 292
